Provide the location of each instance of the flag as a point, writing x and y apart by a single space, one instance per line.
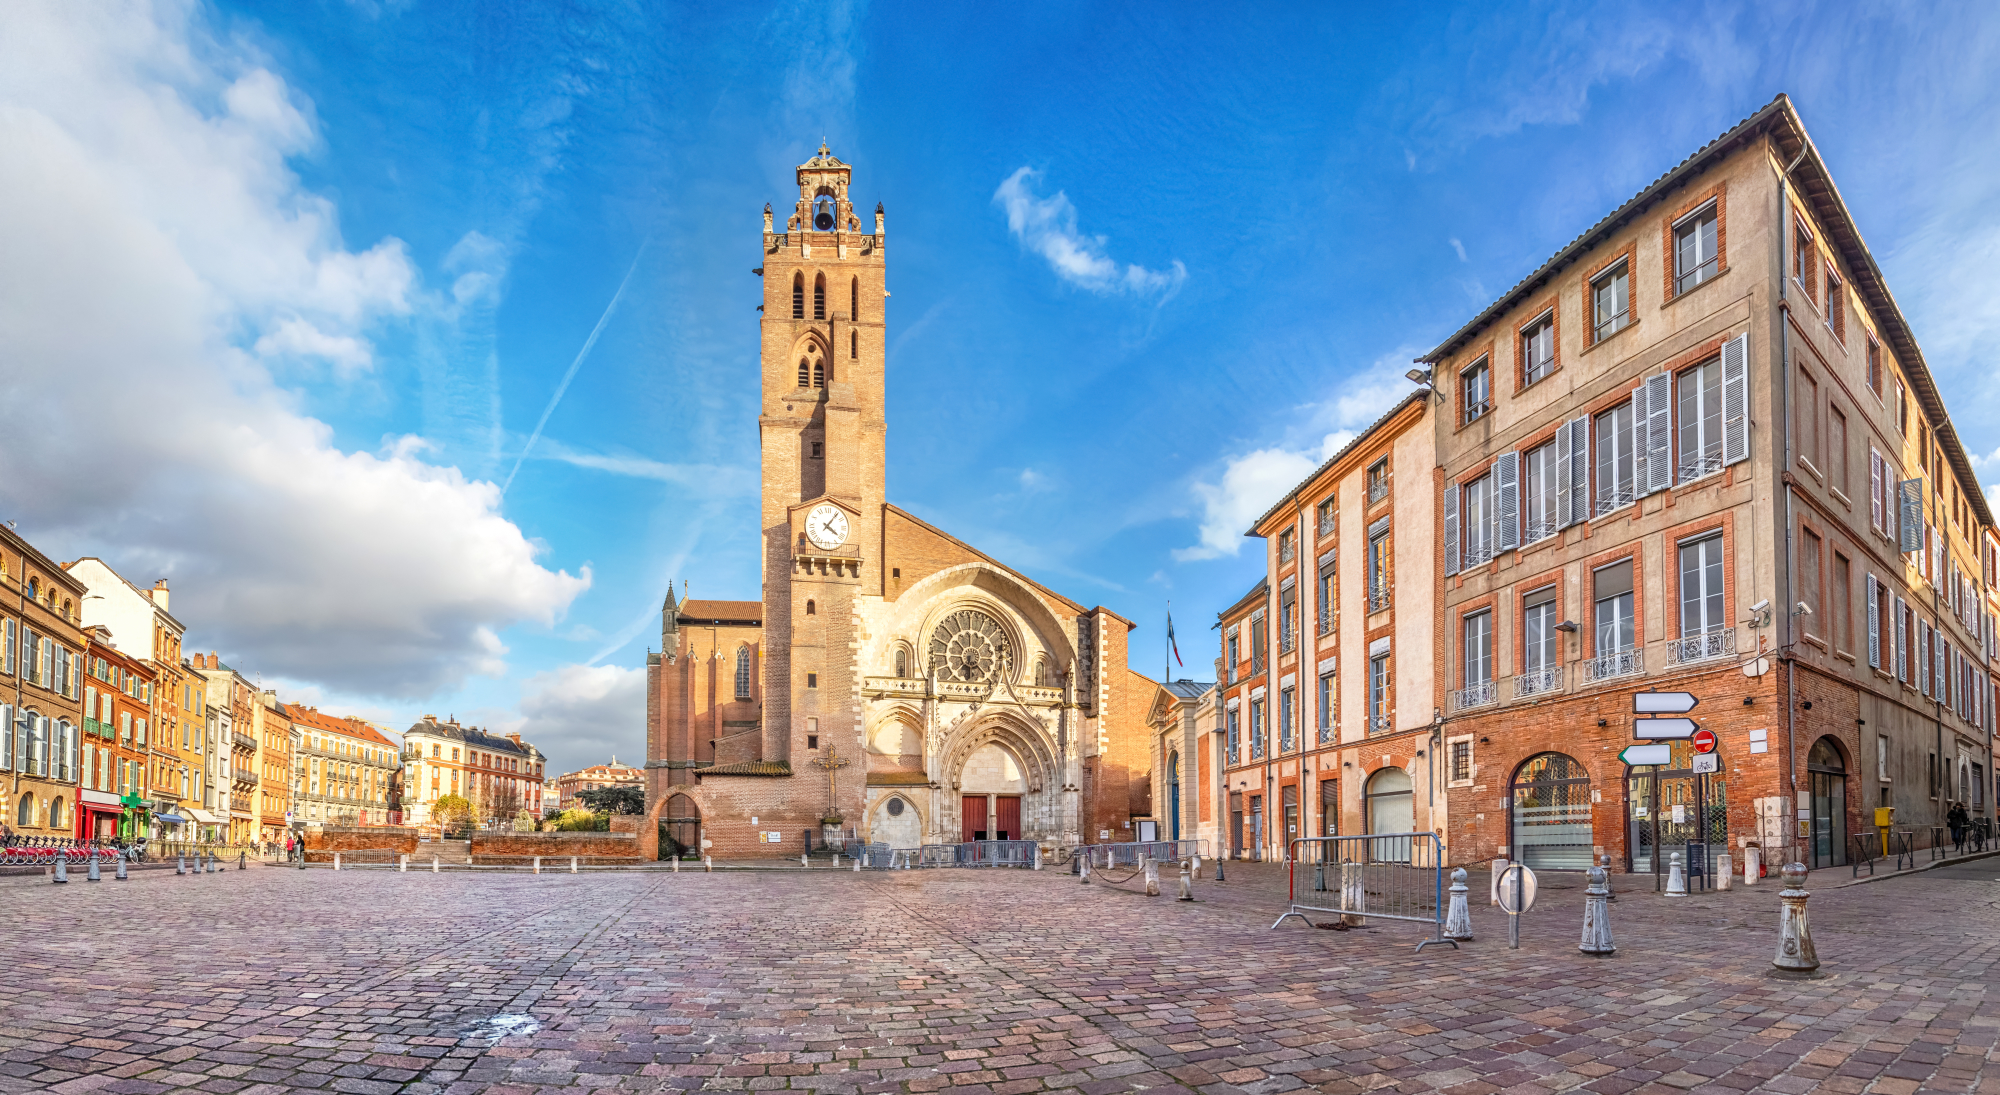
1170 639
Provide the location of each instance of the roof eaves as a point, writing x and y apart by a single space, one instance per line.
1417 396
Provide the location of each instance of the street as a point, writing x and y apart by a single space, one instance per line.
374 982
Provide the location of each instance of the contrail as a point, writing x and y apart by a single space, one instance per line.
574 366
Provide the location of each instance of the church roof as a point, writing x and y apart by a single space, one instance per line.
748 768
1038 587
721 612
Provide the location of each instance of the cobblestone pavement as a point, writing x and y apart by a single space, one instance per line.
374 982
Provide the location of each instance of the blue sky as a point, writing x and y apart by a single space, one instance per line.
292 287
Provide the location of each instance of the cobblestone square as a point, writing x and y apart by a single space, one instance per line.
372 982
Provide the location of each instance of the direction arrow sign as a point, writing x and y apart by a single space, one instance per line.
1663 703
1658 729
1635 755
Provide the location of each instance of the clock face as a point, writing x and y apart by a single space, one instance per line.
826 527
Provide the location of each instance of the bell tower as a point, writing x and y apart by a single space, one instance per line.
821 432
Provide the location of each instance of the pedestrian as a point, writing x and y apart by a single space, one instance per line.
1959 819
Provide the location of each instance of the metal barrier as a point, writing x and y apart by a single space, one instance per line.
997 853
1101 856
874 857
1384 876
1864 849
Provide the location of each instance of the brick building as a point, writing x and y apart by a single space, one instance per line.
342 768
113 770
41 672
1699 450
892 680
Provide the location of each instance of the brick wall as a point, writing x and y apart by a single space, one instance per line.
321 844
564 845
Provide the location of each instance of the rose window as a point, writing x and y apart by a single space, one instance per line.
970 646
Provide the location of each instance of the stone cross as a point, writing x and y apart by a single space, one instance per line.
832 762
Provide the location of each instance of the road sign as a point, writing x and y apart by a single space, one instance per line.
1526 884
1635 755
1662 729
1707 764
1663 703
1704 741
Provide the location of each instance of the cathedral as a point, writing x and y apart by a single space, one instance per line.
893 682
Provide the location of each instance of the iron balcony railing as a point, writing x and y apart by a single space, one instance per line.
1533 532
1256 748
1718 643
1325 620
1378 595
1288 638
1326 524
1700 464
1378 724
1287 551
1618 663
1378 490
242 741
1538 682
1325 734
1475 695
1476 554
1611 500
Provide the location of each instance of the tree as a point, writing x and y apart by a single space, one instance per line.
451 811
622 799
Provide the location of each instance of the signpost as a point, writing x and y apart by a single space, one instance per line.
1636 755
1663 703
1707 764
1517 895
1661 718
1663 729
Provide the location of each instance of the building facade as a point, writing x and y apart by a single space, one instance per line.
342 768
891 680
41 671
1178 740
276 772
1699 450
500 775
113 802
614 774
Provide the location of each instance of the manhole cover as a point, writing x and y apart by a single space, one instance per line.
496 1027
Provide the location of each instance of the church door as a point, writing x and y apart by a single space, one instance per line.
974 812
1008 825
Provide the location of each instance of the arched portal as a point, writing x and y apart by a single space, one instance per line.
1551 814
895 822
1002 775
1826 769
1391 802
680 822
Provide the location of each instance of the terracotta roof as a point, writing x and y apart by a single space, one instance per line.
697 612
748 768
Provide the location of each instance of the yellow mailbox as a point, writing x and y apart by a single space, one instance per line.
1885 816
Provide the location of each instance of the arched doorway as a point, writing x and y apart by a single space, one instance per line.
895 822
1826 770
1389 804
990 788
1551 814
680 823
1174 797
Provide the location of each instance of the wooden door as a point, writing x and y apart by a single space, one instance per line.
974 813
1008 825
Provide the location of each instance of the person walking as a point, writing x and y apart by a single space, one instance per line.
1959 820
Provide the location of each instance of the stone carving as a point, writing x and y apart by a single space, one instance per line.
969 645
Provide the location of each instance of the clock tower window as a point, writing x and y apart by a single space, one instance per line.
819 296
805 372
819 374
798 296
853 344
854 299
812 609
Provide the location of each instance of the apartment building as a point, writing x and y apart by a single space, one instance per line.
41 689
614 774
115 763
343 768
499 774
277 742
1699 450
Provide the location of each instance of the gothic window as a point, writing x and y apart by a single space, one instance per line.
811 609
805 372
854 299
969 645
819 296
853 344
742 672
819 374
798 296
902 662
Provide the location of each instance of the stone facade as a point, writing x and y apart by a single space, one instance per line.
892 682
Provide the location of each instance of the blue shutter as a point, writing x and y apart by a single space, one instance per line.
1874 627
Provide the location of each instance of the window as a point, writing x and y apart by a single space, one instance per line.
818 450
1806 413
1539 649
1326 512
1475 520
1325 708
819 373
1702 608
1836 309
1875 367
742 672
1476 383
1324 597
1809 582
1287 550
1286 710
902 662
1288 618
1260 643
1378 570
1694 250
1378 693
1378 480
1256 729
1538 494
1612 597
1235 654
1461 761
1802 258
1836 450
1235 737
1700 420
798 296
1617 485
853 298
1538 349
854 351
1611 301
811 608
819 296
1476 665
1902 410
805 372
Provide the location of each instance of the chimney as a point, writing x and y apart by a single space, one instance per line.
160 595
515 738
430 718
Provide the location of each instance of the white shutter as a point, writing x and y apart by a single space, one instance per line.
1451 529
1566 493
1874 627
1874 490
1902 643
1507 501
1659 433
1578 459
1736 400
1910 515
1924 656
1936 534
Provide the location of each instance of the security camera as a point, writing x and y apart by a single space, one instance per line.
1760 606
1804 609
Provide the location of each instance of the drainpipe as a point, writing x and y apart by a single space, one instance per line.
1785 394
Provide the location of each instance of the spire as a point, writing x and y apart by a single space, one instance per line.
670 613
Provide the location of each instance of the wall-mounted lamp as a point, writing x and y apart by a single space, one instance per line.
1805 705
1748 700
1483 741
1602 722
1567 625
1420 752
1860 722
1347 764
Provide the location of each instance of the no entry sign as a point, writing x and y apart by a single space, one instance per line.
1703 741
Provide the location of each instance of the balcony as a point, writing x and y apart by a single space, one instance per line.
1534 532
1256 749
1619 663
1696 466
1378 595
1378 724
1475 554
1326 524
1475 695
1287 551
1325 620
1326 735
1538 682
1611 501
1378 490
243 741
1288 638
245 778
1719 643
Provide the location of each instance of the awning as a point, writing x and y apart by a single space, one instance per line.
204 816
98 798
171 819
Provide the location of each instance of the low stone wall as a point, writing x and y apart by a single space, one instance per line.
591 846
379 840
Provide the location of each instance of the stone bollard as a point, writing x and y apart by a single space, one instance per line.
1723 871
836 861
1499 868
857 864
1319 876
181 863
1795 945
1189 868
62 865
1197 862
1152 867
1597 915
1753 865
122 876
403 864
677 864
1677 883
1458 920
434 864
572 864
1604 861
302 858
802 860
708 864
243 860
92 874
1037 854
336 861
1353 895
1083 871
538 864
1218 867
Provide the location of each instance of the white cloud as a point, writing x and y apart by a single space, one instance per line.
152 231
1460 248
1047 226
581 714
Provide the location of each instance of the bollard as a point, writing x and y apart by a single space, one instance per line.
1152 867
336 861
121 875
1197 862
1677 883
1753 865
708 863
1218 868
302 857
1353 895
1038 858
92 875
181 864
1189 868
1604 861
572 864
1499 868
1458 921
677 864
802 859
836 861
1795 945
1597 915
434 864
403 864
242 860
1722 871
62 865
1084 873
538 864
1319 875
857 864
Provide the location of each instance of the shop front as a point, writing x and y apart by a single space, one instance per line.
98 814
